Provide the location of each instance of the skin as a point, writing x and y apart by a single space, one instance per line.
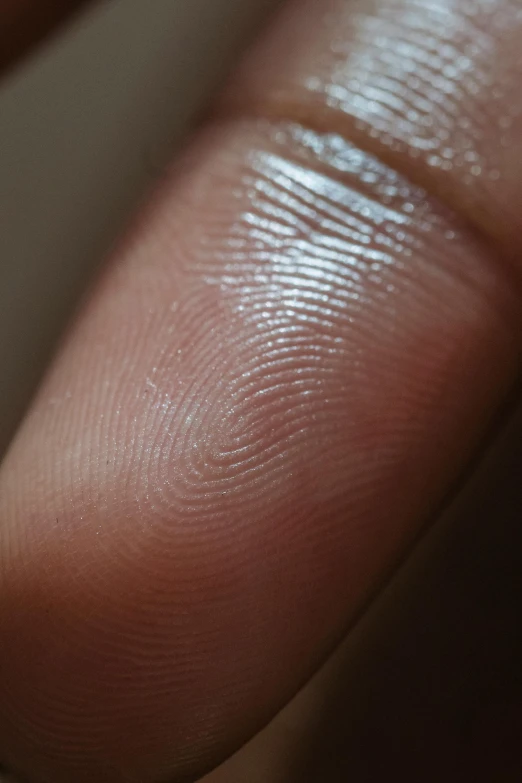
284 368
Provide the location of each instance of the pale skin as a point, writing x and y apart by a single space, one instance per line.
283 368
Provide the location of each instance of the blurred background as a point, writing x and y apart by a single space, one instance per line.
428 687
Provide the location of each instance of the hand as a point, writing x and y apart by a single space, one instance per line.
284 368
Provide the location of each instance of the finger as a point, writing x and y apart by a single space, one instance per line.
283 370
23 23
431 87
427 687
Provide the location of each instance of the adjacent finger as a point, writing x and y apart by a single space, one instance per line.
23 23
433 88
283 370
